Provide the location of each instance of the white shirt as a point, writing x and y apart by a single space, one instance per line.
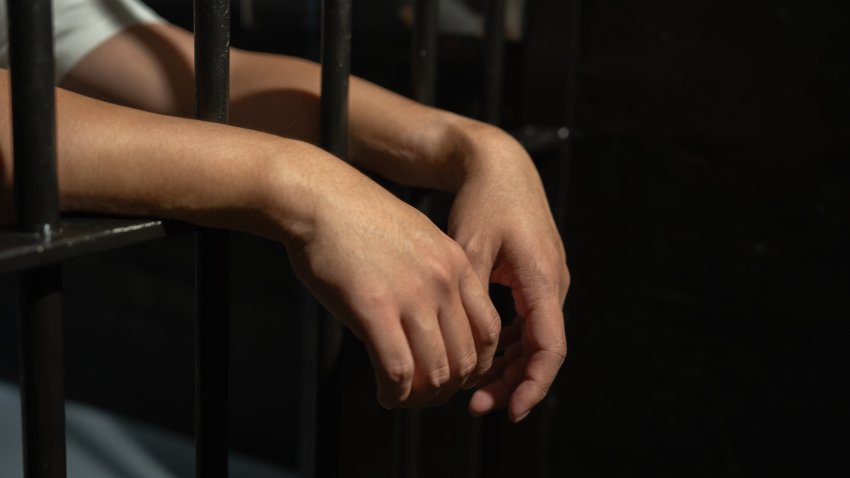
79 26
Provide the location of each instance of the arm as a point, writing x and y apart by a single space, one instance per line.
500 216
150 67
401 285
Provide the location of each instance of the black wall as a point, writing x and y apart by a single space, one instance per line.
708 236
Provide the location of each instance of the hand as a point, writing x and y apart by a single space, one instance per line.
403 287
502 220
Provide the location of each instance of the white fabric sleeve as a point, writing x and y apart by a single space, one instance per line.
80 26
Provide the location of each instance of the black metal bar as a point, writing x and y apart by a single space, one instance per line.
211 382
494 48
573 24
33 115
212 60
42 372
336 67
321 449
408 428
310 312
424 56
494 51
81 236
37 213
471 429
212 96
423 64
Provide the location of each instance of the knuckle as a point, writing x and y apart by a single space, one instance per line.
539 392
550 283
554 277
444 279
485 363
475 247
438 377
493 328
399 372
455 249
562 352
467 365
559 353
441 270
456 258
370 302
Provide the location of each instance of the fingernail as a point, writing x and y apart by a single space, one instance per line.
470 384
522 417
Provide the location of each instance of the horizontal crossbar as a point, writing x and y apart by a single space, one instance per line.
79 236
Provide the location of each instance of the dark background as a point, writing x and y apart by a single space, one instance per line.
705 205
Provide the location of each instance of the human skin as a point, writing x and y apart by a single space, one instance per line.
405 288
500 218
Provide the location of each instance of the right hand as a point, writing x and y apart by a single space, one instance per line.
404 288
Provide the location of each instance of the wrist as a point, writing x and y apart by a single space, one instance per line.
287 192
305 185
485 152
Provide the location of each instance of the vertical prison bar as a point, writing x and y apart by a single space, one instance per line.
336 67
321 424
494 46
483 432
212 97
573 25
424 55
33 115
423 70
37 212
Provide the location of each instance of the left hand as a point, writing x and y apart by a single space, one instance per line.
501 218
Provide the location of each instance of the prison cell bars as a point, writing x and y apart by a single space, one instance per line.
423 69
322 397
212 103
482 432
494 43
37 209
424 56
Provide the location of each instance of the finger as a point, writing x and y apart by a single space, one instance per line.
483 321
508 354
497 393
545 344
500 363
460 349
533 389
392 360
431 364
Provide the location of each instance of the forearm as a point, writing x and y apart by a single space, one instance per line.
119 160
390 135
